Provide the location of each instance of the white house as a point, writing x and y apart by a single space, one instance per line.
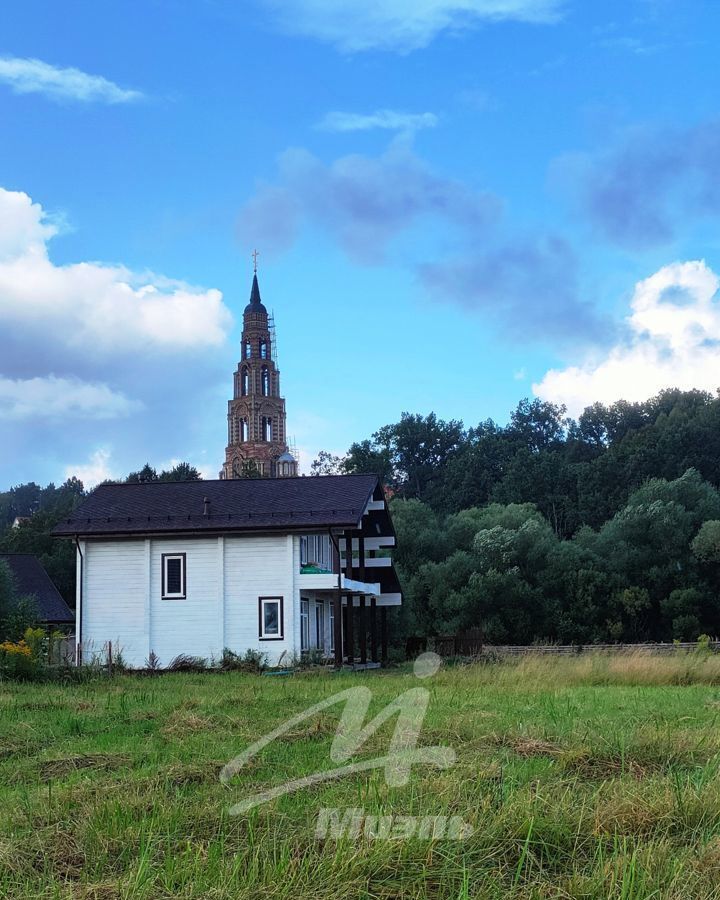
279 565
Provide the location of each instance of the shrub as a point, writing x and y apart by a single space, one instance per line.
703 644
37 641
21 616
17 660
312 658
183 662
250 661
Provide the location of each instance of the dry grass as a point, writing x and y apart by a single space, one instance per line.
638 668
57 768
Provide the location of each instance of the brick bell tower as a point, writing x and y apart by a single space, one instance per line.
257 442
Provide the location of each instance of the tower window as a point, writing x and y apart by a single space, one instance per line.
267 429
248 350
263 349
265 381
245 381
243 429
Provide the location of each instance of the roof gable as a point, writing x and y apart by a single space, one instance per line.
31 578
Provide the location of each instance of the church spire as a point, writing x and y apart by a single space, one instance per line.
255 305
255 292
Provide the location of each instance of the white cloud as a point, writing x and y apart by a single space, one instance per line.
402 25
57 398
33 76
387 119
674 342
91 308
95 470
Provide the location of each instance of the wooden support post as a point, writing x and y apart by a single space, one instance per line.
383 633
337 629
362 625
373 630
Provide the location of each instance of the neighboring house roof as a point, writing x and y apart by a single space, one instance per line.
31 578
241 504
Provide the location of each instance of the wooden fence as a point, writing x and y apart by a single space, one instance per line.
66 652
472 646
458 645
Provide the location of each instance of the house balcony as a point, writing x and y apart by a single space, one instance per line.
328 581
372 576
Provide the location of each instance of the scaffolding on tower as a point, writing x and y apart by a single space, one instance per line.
273 336
292 448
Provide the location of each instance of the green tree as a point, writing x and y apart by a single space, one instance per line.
538 425
144 475
326 463
706 543
368 458
16 612
181 472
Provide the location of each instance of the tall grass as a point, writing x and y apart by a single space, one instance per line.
640 667
589 777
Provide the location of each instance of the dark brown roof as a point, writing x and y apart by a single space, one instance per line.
255 304
32 579
242 504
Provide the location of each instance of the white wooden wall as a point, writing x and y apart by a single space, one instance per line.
225 576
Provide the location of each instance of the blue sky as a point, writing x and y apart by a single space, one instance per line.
456 204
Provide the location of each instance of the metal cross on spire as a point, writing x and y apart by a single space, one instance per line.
255 255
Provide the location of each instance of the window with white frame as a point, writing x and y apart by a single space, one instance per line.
316 550
304 625
173 576
271 618
320 625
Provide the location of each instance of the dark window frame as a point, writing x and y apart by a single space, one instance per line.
183 557
261 620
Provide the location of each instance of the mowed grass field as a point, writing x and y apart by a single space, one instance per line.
591 777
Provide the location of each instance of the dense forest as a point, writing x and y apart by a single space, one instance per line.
601 529
604 528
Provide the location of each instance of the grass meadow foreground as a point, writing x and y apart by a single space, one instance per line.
582 777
